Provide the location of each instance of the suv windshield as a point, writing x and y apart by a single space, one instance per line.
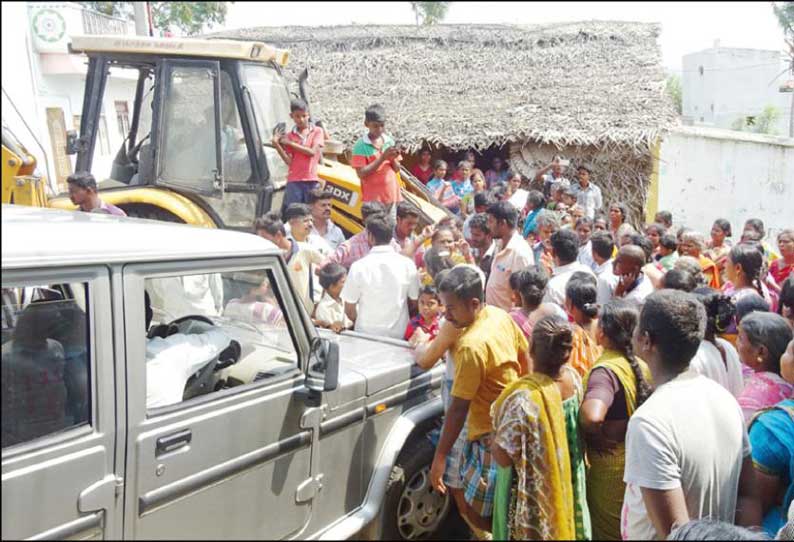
271 103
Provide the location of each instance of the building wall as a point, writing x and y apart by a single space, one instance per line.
720 85
33 91
707 173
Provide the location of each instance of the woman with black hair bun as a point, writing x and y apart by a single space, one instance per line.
716 358
580 304
615 387
745 270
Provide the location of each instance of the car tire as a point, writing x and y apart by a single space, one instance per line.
412 509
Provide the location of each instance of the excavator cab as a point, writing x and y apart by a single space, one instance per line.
198 146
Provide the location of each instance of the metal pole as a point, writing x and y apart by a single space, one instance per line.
141 20
791 117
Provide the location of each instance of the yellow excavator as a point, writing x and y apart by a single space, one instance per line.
22 183
197 149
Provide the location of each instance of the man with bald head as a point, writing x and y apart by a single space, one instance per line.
633 285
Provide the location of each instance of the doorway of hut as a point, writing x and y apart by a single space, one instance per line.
483 158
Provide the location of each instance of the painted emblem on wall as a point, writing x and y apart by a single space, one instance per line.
49 25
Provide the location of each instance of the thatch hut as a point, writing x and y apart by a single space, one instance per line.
592 91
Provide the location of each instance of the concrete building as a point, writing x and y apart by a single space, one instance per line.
43 83
723 84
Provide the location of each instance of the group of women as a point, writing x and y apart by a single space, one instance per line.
560 431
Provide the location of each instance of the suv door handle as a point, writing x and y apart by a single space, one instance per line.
173 442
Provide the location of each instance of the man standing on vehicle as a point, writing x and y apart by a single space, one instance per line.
491 353
83 193
377 160
301 150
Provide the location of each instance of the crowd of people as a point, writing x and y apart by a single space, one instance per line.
603 381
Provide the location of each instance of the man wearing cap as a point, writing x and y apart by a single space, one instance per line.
588 195
376 159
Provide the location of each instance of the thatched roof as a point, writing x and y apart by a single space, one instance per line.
587 83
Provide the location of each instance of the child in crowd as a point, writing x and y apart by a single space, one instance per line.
330 311
467 202
462 186
430 309
301 150
423 170
441 189
668 251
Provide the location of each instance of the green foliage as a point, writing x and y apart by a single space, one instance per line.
785 15
759 124
430 12
673 88
187 17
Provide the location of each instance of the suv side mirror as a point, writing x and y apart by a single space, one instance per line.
323 374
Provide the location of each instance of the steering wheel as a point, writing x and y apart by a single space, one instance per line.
166 330
133 154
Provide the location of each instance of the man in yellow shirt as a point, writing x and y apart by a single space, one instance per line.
491 353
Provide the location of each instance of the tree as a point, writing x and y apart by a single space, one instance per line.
785 15
759 124
429 12
188 17
673 88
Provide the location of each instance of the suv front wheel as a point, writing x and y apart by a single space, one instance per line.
412 509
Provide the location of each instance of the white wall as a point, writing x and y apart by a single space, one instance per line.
708 173
735 83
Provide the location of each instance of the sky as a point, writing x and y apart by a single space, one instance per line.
687 27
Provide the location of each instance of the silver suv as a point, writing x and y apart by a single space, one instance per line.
163 381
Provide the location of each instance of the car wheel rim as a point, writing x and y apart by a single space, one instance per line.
421 508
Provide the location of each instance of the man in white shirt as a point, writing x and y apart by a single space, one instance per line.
588 195
512 254
322 225
175 297
687 450
172 360
633 285
382 286
565 249
603 247
300 256
584 229
322 234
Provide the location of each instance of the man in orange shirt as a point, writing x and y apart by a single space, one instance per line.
377 160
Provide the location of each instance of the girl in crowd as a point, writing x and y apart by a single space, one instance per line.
763 337
719 245
618 213
467 202
654 233
534 497
423 170
535 204
772 441
529 287
694 244
615 387
784 266
580 304
513 183
744 270
716 358
441 189
462 185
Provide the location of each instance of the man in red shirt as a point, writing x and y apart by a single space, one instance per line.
377 160
301 150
